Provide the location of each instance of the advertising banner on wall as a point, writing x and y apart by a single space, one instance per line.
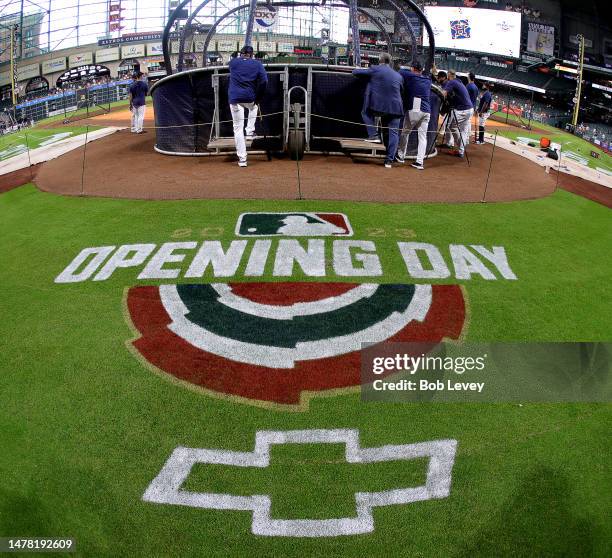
107 55
267 46
28 71
541 39
132 51
265 18
154 49
401 27
54 65
385 17
226 45
285 47
135 38
80 59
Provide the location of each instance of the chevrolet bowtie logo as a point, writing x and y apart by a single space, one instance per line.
166 487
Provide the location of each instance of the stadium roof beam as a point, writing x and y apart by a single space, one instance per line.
354 27
213 29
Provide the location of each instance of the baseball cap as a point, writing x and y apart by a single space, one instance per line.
247 49
417 65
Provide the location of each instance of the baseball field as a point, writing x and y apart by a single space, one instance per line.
137 432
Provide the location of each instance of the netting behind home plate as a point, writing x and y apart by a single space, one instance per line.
337 102
271 107
192 108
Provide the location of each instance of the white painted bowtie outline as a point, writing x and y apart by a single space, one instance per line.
166 487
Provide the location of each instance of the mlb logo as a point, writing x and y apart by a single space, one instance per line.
460 29
293 224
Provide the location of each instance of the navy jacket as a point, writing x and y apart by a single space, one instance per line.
138 90
458 95
248 80
485 102
384 93
419 86
472 89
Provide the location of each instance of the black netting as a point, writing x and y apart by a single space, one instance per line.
174 106
272 103
204 108
337 95
298 77
337 98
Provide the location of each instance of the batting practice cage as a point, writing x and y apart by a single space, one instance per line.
309 106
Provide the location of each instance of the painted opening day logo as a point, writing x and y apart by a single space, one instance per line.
279 342
293 224
207 316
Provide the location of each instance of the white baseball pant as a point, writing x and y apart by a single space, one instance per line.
238 120
460 128
419 120
138 114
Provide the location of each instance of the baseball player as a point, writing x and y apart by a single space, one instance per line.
472 89
247 85
384 98
137 92
461 110
417 91
484 111
473 92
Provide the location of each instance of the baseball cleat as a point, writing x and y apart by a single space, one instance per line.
418 166
373 140
242 163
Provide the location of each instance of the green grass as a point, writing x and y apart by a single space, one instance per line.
17 142
522 121
569 143
95 110
85 427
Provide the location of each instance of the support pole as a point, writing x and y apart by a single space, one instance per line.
530 111
484 194
29 158
13 65
84 157
576 116
508 105
250 23
166 35
355 32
